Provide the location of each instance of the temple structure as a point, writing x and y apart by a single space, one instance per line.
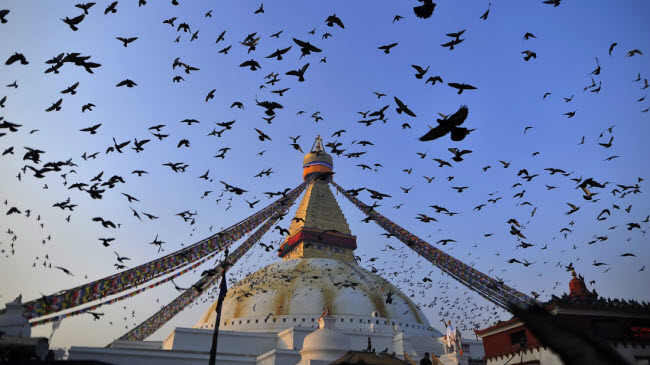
275 315
625 325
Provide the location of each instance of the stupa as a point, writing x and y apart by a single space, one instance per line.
266 316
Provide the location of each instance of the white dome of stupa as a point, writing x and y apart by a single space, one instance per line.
325 343
294 293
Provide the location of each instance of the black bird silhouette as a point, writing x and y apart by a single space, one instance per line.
283 231
121 259
85 7
269 105
461 87
127 83
306 48
210 95
333 19
126 41
92 130
450 124
433 80
227 125
111 8
300 72
170 21
421 71
105 223
401 107
528 55
611 47
106 241
425 10
260 10
555 3
529 35
458 154
254 66
72 23
64 270
453 43
13 210
71 89
267 248
485 15
278 53
387 47
3 14
261 135
55 106
15 58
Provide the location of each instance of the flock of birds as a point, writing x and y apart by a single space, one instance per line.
307 48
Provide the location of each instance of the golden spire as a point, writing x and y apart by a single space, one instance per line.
319 228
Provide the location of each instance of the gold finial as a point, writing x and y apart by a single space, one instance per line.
573 273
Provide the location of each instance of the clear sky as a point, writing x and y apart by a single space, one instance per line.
509 98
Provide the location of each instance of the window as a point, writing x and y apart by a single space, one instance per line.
257 321
312 319
376 321
294 319
239 322
248 321
518 338
274 320
303 319
284 319
351 320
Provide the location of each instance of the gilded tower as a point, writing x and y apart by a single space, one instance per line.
319 229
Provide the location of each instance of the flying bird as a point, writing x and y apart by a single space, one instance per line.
126 41
300 73
461 87
425 10
127 83
449 124
16 57
401 107
333 19
72 23
387 47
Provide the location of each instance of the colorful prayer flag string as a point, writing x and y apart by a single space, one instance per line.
491 289
131 278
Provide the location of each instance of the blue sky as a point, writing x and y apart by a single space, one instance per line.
508 98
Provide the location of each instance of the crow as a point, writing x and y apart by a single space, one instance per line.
449 124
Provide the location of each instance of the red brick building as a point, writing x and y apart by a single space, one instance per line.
624 324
